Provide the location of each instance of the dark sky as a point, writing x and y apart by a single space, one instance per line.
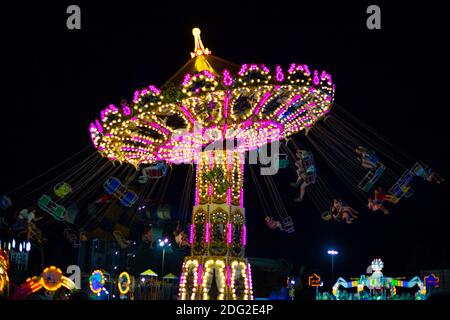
395 79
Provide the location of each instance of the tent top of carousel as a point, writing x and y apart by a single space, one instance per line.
212 100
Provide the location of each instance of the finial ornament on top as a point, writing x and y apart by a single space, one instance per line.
199 49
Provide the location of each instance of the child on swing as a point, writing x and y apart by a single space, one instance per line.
302 174
343 211
273 224
367 158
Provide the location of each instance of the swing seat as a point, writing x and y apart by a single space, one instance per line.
5 202
288 225
44 201
283 161
326 216
59 212
402 186
371 178
128 199
62 189
46 204
418 169
156 171
112 185
372 157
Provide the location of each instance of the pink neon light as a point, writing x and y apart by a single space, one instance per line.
154 89
292 68
316 80
241 200
99 125
207 233
229 234
210 190
157 126
244 235
186 79
211 160
326 76
208 74
227 79
279 76
126 110
293 100
92 129
196 188
134 149
182 279
110 109
262 101
191 234
187 113
133 156
249 277
138 139
264 68
199 274
306 69
136 96
228 196
295 114
243 69
226 101
145 91
246 124
224 131
228 276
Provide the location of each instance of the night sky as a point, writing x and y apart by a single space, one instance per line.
395 79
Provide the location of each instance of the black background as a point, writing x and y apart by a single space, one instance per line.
395 79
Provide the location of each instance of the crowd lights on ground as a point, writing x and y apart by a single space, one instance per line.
23 246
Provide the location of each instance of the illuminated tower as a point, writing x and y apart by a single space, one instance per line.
217 268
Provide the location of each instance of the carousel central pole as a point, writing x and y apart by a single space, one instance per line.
216 268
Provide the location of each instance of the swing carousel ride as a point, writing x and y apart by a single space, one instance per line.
213 113
234 112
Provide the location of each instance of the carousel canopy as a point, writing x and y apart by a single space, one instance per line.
210 101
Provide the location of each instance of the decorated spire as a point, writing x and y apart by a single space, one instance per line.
199 49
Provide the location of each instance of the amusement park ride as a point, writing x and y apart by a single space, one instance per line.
211 113
377 282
